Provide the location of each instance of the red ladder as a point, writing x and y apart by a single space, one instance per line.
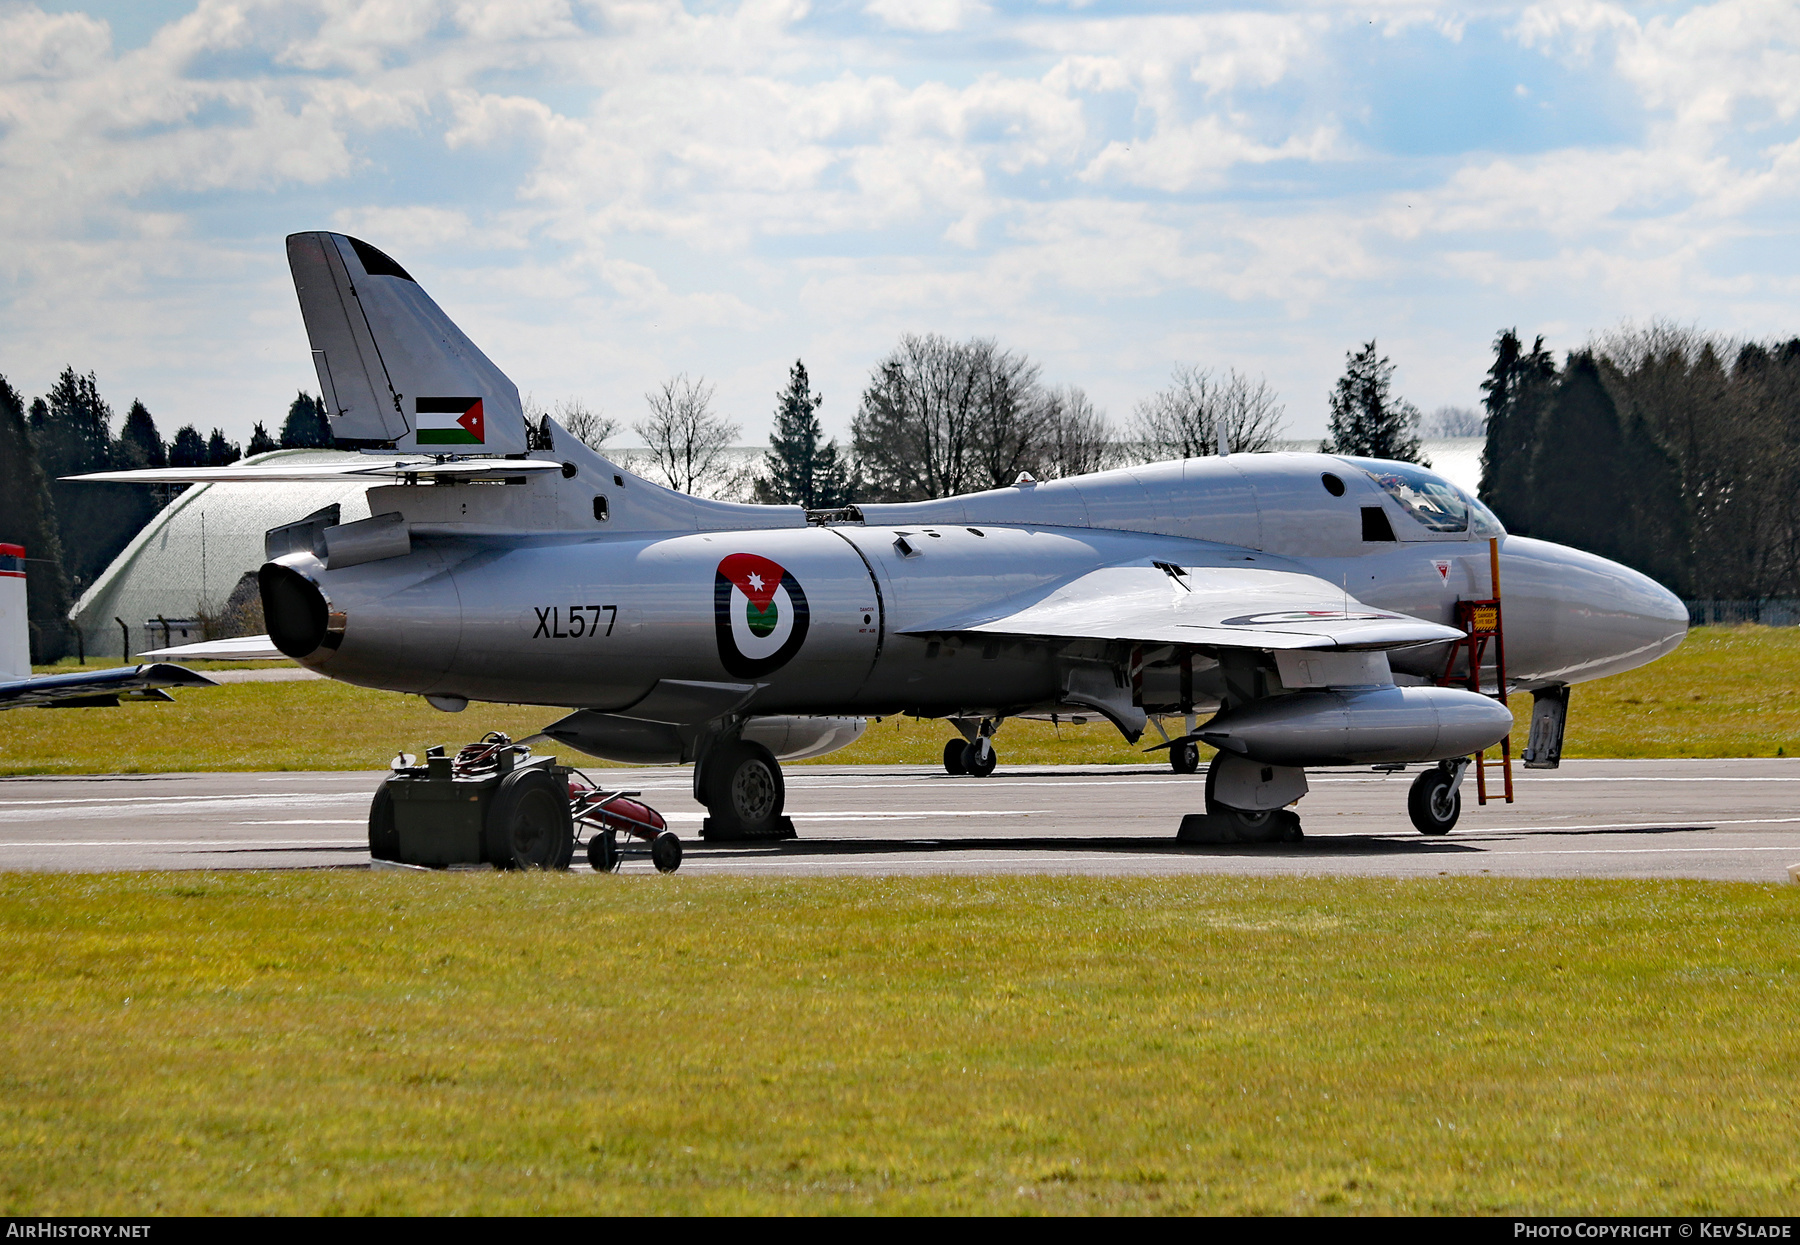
1481 625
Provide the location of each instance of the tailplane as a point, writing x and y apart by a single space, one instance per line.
394 369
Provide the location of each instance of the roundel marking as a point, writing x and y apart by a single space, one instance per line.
760 612
1301 616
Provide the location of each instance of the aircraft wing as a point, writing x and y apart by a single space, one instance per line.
242 648
98 687
376 471
1214 606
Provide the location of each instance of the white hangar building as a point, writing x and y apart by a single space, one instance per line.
193 552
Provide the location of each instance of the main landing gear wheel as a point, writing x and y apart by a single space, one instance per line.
742 788
1435 801
1259 825
975 758
384 834
1184 756
979 757
956 756
528 823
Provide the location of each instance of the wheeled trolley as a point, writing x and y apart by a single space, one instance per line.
614 819
495 803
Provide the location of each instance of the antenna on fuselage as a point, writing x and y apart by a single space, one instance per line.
1224 442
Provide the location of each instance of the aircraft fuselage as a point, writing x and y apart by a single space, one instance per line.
595 619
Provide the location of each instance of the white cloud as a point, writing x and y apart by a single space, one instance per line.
614 190
926 16
35 44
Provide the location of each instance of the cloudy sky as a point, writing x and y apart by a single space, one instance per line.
604 194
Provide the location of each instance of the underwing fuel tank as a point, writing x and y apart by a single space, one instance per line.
1361 726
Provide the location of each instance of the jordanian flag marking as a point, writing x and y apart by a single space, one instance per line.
450 421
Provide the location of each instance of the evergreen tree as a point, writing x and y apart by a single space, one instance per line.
799 471
306 427
188 449
72 430
260 440
140 445
219 451
1517 389
1367 420
72 427
1653 523
1578 485
29 518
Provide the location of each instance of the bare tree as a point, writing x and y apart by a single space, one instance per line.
1075 438
1449 422
687 443
1183 421
942 417
1009 411
590 427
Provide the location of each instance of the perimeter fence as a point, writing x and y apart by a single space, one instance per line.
1770 612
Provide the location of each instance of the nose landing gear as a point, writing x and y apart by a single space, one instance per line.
1184 756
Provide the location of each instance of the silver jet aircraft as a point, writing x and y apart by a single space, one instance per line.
1290 610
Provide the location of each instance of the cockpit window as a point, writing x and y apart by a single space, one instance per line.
1487 523
1437 504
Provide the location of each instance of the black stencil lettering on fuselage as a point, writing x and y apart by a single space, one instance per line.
572 622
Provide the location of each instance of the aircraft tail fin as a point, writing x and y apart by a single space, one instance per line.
15 628
393 368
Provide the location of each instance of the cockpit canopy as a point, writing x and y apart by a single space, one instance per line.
1435 503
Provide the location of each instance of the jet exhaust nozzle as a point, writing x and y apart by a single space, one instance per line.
1361 726
300 620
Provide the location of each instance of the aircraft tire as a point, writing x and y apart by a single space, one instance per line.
528 823
1432 804
982 760
665 852
742 788
384 833
1261 825
1184 757
956 756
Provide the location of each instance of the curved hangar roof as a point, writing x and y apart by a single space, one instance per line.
192 553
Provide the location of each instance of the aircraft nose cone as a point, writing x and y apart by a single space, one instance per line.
1572 615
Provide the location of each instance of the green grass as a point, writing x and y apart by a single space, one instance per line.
482 1043
1728 691
70 665
312 725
